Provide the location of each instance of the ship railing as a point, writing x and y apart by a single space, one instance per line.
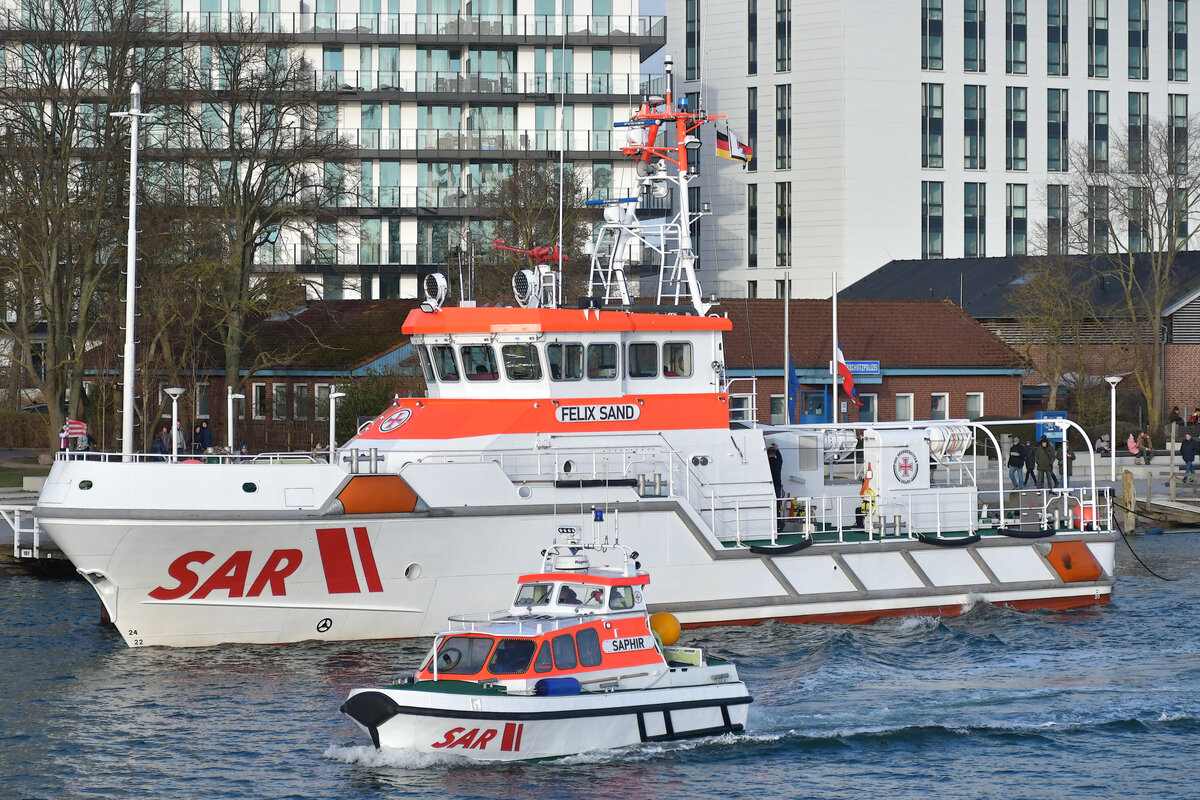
215 457
533 625
27 532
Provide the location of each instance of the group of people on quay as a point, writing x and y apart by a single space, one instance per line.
1039 463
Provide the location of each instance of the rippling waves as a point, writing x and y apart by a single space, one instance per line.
1099 703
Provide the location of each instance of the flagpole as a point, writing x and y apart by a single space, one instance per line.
833 363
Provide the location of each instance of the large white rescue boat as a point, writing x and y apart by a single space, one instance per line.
575 664
538 412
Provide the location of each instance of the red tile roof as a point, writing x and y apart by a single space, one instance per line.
896 333
336 333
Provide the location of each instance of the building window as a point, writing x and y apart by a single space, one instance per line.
1097 131
741 408
778 410
783 126
752 226
1097 38
258 400
939 405
1139 131
931 219
973 36
300 401
691 40
1056 130
752 290
1016 111
1139 219
1016 220
321 400
783 224
974 220
1177 131
869 410
1056 37
783 35
1015 23
202 401
1177 215
1139 40
752 37
974 127
974 405
931 125
1056 219
931 34
904 407
279 401
1097 219
780 290
752 125
1177 40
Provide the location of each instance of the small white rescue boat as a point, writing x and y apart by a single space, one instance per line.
575 664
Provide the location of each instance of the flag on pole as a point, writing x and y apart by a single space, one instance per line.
847 376
730 146
75 427
793 391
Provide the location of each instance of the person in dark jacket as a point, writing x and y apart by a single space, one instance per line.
1069 458
1029 463
205 437
1189 448
1044 459
1016 462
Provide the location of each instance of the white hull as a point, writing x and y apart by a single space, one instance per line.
522 728
270 581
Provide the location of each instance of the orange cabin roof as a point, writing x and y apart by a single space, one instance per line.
552 320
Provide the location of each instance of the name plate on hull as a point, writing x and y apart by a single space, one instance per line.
609 412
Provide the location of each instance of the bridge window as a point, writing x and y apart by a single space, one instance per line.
479 362
521 362
620 598
643 360
677 359
533 594
566 361
589 647
602 361
512 656
447 367
426 364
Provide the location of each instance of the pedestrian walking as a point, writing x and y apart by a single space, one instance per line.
1016 463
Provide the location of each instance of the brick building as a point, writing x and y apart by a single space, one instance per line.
934 361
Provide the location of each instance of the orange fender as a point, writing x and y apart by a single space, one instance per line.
1074 562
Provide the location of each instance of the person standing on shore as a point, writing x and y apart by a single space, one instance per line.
1029 463
1188 450
1044 459
1016 462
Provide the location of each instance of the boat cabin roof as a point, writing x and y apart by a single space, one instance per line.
459 320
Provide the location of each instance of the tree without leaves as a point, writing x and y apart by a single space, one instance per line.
1129 201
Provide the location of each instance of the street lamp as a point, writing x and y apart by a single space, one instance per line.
1113 380
175 392
229 398
333 398
134 114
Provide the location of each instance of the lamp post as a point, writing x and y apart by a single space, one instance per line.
333 398
1113 380
175 392
229 398
134 114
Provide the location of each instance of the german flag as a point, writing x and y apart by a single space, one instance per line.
729 146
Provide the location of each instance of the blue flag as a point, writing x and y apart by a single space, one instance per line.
793 391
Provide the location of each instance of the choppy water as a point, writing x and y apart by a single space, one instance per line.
1100 703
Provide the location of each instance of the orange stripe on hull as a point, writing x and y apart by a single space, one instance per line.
377 494
869 617
452 418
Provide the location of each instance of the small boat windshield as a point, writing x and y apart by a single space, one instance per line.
533 594
620 598
463 655
578 595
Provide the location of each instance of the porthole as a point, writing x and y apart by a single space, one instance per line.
412 571
85 485
525 492
568 467
249 488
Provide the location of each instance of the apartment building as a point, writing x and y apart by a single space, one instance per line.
888 130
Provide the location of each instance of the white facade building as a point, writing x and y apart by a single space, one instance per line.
890 130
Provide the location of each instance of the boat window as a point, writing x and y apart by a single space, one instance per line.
426 364
589 647
564 651
602 361
677 359
533 594
580 594
620 598
566 361
479 362
443 359
512 656
463 655
521 362
643 360
543 663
